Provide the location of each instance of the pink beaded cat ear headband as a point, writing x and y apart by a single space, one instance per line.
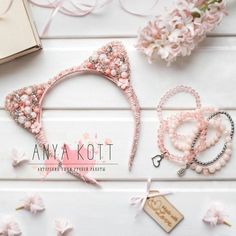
111 61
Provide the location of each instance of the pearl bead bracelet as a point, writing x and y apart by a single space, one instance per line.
196 141
209 167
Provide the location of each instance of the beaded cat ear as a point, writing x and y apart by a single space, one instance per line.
110 61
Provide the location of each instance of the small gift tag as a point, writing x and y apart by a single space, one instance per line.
163 212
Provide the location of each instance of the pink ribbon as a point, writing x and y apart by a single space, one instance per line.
76 9
7 8
141 200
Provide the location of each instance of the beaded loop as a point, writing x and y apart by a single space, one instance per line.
193 144
172 93
224 155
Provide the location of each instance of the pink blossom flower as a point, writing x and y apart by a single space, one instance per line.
10 227
18 157
181 30
33 203
215 214
63 226
123 83
36 127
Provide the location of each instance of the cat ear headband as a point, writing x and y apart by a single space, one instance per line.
110 61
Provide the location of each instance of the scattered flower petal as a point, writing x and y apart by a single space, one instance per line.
10 227
33 203
18 157
63 226
215 214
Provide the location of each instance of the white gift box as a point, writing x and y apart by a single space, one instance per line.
18 35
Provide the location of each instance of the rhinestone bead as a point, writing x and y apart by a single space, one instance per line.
28 110
33 114
29 91
102 57
113 72
124 68
94 57
22 119
24 98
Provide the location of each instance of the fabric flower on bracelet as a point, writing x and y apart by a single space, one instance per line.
181 30
10 227
33 203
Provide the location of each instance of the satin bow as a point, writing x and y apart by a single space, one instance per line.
7 8
141 200
76 9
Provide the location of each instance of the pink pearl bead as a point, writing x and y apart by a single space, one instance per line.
217 166
198 169
187 147
226 157
212 169
205 172
27 103
106 61
222 162
107 71
36 109
39 91
228 151
229 145
16 105
124 75
89 65
28 124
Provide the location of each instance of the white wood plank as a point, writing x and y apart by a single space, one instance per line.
110 21
107 211
70 126
210 70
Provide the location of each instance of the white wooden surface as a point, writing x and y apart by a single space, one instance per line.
72 108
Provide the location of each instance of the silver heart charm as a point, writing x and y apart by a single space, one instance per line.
156 160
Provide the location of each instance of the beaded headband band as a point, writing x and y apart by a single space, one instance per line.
110 61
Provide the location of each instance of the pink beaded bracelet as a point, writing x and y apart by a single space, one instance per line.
196 142
209 167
